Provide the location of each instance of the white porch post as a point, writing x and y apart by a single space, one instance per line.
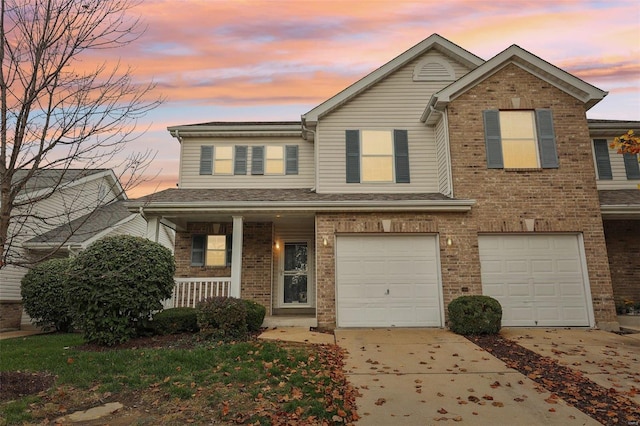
153 228
236 257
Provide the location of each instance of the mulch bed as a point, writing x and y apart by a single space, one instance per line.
16 384
604 405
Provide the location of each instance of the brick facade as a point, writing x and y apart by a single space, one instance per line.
458 279
559 200
623 248
10 314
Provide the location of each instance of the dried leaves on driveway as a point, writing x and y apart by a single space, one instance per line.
605 405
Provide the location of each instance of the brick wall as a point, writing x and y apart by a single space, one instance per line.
623 248
256 259
257 263
459 262
10 315
559 200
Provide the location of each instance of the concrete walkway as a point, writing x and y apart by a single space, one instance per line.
18 333
429 376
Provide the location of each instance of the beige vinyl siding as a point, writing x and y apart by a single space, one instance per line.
61 207
190 165
397 102
442 156
618 172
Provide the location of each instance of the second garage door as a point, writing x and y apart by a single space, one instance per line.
386 281
538 279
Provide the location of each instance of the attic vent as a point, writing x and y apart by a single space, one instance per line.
433 69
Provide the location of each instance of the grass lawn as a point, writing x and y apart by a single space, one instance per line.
253 382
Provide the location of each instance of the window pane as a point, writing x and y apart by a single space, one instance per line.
216 242
377 142
295 289
224 153
275 153
377 169
519 154
517 125
275 167
295 257
215 258
223 167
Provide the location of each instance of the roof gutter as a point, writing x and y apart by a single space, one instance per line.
318 206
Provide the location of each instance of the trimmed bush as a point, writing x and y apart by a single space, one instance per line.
222 317
116 283
473 315
43 292
255 314
175 320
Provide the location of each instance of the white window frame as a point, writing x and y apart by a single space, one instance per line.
390 156
216 160
503 116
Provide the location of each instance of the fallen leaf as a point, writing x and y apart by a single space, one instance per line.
442 411
380 401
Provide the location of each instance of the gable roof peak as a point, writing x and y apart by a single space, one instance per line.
434 41
514 54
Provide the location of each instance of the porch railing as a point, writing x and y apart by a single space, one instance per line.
189 291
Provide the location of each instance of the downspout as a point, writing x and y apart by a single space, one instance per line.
447 144
315 154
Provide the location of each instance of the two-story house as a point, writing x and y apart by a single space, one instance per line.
437 175
61 212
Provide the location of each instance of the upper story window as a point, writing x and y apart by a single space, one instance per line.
520 139
603 162
274 160
377 156
265 160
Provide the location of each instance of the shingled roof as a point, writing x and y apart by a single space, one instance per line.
86 227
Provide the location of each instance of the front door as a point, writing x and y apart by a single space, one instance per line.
295 275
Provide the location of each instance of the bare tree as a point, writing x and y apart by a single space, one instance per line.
55 112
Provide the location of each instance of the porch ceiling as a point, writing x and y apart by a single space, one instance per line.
620 204
296 219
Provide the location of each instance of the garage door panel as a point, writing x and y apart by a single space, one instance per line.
406 266
540 280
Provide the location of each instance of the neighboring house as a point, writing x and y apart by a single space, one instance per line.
435 176
86 205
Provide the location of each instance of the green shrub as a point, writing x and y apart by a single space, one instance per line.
472 315
222 317
43 291
174 320
116 283
255 314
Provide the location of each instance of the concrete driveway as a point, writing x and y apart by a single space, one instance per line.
610 360
430 376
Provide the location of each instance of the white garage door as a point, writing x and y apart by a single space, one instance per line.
385 281
538 279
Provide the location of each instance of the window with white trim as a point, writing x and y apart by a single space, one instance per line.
211 250
522 139
377 156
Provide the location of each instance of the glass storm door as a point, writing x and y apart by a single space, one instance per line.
295 274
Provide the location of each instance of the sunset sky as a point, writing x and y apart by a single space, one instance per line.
224 60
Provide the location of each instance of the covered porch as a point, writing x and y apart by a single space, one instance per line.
265 257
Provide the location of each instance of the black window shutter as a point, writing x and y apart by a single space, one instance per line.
546 139
401 151
603 163
206 160
631 166
240 160
353 156
198 243
257 160
492 139
229 251
291 154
